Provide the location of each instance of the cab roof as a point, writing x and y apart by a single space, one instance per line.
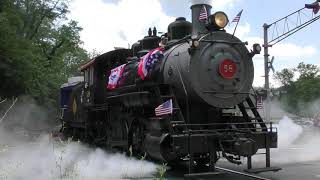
111 56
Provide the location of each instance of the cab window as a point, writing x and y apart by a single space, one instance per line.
91 76
86 76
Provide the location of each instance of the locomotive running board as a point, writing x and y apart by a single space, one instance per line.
221 170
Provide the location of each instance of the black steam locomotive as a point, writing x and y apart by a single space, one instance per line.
205 73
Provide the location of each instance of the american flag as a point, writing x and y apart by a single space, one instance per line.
114 76
238 16
164 108
203 13
259 103
148 61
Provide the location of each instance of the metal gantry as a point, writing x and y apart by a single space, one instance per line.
280 30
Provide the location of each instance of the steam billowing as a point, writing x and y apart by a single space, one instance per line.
27 155
46 159
42 157
288 132
296 144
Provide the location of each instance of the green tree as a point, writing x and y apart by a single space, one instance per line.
307 71
285 76
302 92
39 48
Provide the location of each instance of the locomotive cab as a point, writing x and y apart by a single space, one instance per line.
97 71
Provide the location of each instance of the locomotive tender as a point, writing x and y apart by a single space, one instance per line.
206 72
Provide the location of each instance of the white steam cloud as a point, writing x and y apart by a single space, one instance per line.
26 153
49 159
296 143
288 132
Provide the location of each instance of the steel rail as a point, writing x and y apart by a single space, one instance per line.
241 173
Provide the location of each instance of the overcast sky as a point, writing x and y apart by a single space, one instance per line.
111 23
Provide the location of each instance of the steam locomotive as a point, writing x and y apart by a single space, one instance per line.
204 72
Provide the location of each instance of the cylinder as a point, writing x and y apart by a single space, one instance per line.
158 147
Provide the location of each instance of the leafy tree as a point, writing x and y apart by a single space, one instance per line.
307 71
302 92
285 76
39 48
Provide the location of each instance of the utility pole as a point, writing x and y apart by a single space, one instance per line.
266 71
282 29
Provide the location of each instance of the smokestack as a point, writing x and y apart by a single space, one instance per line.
198 26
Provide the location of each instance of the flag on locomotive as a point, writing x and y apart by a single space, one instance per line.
148 62
238 16
115 75
203 14
145 67
259 103
164 108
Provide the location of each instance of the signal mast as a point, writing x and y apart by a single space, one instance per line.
280 30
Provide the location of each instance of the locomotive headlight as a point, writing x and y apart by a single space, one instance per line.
220 19
256 48
217 21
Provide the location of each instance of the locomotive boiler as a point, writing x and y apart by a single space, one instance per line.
200 77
